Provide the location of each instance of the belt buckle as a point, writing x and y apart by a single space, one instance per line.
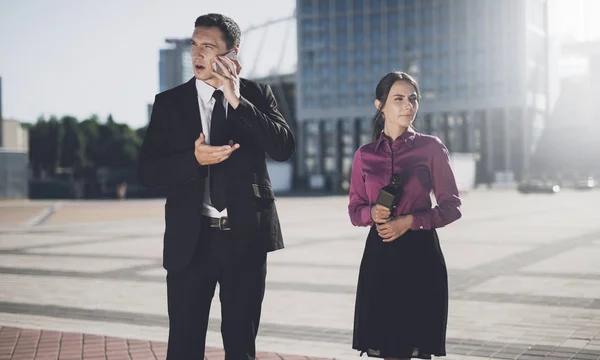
222 225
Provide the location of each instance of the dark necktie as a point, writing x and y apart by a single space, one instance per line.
218 136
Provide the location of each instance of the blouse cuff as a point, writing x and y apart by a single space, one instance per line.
419 222
365 215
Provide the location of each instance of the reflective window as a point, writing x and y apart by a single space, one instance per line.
325 100
358 22
341 5
376 5
340 23
341 40
366 130
427 31
427 48
392 4
428 65
307 24
359 54
410 17
329 153
376 20
427 16
410 33
359 66
323 7
306 7
311 145
347 140
342 70
358 5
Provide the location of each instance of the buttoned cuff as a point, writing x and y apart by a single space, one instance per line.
365 216
420 222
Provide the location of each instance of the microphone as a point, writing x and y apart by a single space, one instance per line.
390 194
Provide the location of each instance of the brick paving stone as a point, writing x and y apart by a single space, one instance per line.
24 344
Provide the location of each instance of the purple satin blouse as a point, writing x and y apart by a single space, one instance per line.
423 163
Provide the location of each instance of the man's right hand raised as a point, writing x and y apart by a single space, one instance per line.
210 155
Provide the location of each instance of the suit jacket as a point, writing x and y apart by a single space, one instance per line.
167 159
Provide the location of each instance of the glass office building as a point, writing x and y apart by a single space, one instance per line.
482 66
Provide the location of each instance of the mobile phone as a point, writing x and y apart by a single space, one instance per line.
233 56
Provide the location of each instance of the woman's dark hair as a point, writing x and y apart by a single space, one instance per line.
381 93
230 29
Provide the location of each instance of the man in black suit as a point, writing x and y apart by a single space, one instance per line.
206 142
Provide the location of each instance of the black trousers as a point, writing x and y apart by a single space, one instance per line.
190 292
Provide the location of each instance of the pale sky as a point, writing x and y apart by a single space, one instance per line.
576 19
83 57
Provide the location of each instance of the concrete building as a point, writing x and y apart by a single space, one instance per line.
14 136
14 157
483 67
1 119
175 66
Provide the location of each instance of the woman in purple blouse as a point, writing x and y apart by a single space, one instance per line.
402 295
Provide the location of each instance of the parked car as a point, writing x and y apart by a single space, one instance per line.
578 183
585 183
538 186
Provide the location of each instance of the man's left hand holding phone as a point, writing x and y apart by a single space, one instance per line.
226 68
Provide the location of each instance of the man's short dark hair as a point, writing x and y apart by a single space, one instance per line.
230 29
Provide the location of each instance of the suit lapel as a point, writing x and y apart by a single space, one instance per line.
192 109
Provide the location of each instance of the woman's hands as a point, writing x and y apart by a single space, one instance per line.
390 229
380 214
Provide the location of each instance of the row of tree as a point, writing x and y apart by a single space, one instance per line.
80 148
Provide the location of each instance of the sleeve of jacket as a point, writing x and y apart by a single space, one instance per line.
268 128
156 165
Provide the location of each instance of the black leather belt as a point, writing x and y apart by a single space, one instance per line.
221 223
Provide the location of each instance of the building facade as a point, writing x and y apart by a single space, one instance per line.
175 64
482 67
14 157
569 148
1 118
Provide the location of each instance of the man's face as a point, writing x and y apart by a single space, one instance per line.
207 43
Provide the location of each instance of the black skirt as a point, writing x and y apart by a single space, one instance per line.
402 297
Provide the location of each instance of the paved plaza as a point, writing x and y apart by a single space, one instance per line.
524 273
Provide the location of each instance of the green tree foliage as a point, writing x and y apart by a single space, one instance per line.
44 146
82 146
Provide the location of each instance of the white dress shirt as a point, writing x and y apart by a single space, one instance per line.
206 103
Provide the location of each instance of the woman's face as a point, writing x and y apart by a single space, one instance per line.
402 104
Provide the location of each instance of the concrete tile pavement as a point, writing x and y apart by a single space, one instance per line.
523 275
19 212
